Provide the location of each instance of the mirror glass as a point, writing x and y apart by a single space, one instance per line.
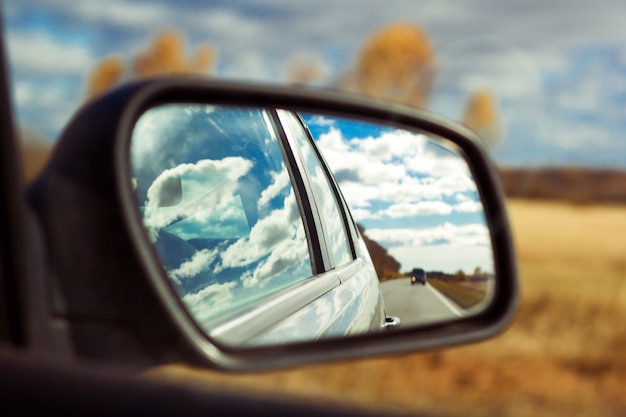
274 226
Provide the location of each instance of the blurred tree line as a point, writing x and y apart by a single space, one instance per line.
397 63
386 265
166 55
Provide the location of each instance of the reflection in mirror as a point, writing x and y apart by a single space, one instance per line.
420 214
246 222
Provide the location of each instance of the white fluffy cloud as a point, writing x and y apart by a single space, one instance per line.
422 208
34 52
280 234
279 182
196 184
199 262
407 172
204 304
470 234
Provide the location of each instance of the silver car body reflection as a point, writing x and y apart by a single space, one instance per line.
351 304
223 193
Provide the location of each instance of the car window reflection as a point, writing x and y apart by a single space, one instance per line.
218 204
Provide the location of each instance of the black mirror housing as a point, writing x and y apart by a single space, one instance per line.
109 296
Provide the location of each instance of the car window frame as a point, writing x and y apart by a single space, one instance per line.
298 180
330 263
348 220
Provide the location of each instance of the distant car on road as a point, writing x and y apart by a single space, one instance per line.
418 276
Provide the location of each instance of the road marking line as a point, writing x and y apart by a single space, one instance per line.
444 300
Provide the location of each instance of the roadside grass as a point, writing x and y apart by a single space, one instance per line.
565 354
464 297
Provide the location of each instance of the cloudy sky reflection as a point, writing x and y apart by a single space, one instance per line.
413 195
217 201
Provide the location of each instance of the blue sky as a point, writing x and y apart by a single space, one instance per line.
558 70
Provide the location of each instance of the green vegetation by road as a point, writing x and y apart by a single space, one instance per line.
463 296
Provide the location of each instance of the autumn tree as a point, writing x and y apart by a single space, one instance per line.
396 63
303 70
106 74
481 115
460 275
35 152
166 55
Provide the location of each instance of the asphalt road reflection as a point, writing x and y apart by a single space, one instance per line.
417 303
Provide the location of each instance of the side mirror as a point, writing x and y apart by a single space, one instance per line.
253 227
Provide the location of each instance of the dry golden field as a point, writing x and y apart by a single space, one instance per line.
565 354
